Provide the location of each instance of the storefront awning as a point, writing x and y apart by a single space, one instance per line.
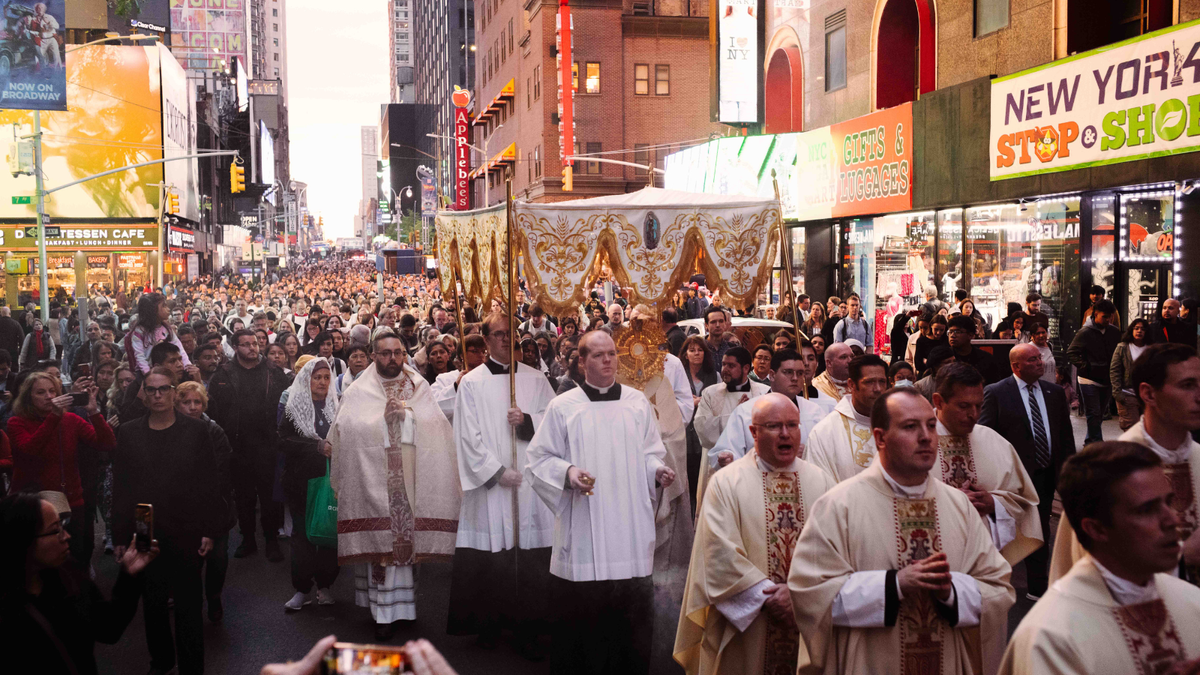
505 157
507 92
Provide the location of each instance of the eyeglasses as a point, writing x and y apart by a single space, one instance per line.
388 355
776 427
156 391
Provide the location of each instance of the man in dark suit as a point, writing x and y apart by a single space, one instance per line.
1032 414
11 333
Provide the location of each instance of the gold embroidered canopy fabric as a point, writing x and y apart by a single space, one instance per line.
652 238
473 242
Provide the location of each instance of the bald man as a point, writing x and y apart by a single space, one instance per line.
832 382
1032 414
737 614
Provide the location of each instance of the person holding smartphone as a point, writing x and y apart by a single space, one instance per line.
47 440
169 462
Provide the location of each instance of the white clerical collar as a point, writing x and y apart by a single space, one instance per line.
764 466
846 406
943 431
1124 591
1179 455
602 390
905 491
840 383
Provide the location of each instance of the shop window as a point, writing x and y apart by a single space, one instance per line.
641 79
1147 234
950 253
1095 23
1017 249
1104 247
662 80
888 261
990 16
835 51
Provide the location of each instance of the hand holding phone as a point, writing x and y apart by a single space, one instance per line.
143 526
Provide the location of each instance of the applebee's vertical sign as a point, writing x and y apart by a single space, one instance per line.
462 152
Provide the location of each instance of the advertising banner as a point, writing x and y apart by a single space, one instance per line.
179 134
24 237
738 61
115 120
1133 100
462 159
31 48
181 239
211 32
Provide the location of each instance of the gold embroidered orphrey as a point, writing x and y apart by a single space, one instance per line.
640 357
1151 637
922 631
858 436
785 518
1184 504
958 463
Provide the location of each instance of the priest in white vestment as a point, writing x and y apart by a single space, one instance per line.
1120 609
486 593
445 386
1166 378
737 612
842 443
718 402
895 572
395 473
811 361
597 462
787 379
833 381
978 461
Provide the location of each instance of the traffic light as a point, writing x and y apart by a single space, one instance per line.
237 178
172 203
568 182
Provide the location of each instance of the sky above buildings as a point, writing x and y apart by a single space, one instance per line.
337 79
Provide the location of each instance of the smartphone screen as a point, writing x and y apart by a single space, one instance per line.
85 370
143 526
351 659
80 399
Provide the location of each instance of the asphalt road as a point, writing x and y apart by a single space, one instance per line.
256 630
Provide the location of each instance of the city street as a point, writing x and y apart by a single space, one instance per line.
257 631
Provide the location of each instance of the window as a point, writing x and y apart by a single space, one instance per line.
990 16
276 55
641 156
835 58
276 73
528 93
662 80
1099 22
498 52
529 167
276 40
537 83
274 12
537 161
592 84
510 36
575 76
593 168
641 79
275 27
503 51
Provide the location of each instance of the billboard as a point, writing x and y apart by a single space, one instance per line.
148 17
179 134
208 33
31 44
115 120
1132 100
75 237
266 156
739 27
462 154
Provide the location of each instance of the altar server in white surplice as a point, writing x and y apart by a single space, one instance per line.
597 462
737 612
485 592
787 379
718 402
842 443
895 572
978 461
1120 609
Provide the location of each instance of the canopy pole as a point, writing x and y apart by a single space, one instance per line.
458 316
512 360
785 252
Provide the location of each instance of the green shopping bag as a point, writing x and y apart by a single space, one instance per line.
321 512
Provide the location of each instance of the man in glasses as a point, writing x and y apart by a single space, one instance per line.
959 332
169 461
244 400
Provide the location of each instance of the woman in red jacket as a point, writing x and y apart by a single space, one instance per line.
45 441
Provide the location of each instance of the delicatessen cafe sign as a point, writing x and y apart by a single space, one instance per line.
1133 100
25 237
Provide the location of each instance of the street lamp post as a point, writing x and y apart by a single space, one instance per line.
473 147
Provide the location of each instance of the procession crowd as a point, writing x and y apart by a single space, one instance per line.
803 502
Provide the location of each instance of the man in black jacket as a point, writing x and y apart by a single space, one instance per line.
959 332
1091 353
670 325
1170 328
11 333
244 399
1032 414
168 461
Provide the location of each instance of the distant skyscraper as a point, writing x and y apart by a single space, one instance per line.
444 29
370 179
400 38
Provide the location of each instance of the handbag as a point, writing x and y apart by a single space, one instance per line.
321 512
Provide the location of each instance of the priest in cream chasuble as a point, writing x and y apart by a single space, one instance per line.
978 461
736 615
895 572
842 443
718 402
1120 608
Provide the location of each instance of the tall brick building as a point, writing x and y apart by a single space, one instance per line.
642 87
